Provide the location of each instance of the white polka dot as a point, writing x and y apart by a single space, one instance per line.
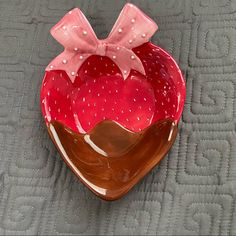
65 115
83 99
125 71
118 48
112 109
132 57
134 99
127 119
143 35
48 93
89 90
59 110
76 49
51 66
64 27
149 108
70 12
138 118
145 99
105 100
116 91
130 110
88 104
72 73
119 30
122 111
114 57
85 32
73 101
98 94
81 57
64 61
130 41
133 21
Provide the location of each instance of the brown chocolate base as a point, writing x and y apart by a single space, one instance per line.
110 160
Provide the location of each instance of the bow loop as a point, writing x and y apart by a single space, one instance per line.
132 28
75 33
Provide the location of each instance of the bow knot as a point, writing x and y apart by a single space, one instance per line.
101 48
132 29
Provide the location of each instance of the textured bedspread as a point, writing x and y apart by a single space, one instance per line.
192 192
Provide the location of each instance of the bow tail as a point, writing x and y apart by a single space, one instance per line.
69 62
125 59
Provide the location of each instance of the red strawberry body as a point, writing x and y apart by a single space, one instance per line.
99 93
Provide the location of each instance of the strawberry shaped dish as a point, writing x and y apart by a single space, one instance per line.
111 106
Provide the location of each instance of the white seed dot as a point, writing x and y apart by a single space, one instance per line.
143 35
98 94
127 119
81 57
64 61
122 111
76 49
65 115
145 99
133 20
73 101
130 41
118 48
85 32
89 91
48 93
119 30
70 12
125 71
72 73
149 108
130 110
134 100
132 57
114 57
83 99
138 118
59 110
85 71
112 109
51 66
64 27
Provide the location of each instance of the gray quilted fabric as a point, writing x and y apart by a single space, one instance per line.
192 192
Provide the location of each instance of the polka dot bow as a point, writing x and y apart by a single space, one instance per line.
73 31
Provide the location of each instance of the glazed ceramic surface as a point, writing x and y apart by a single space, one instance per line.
113 107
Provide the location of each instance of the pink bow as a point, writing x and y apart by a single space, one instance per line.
73 31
